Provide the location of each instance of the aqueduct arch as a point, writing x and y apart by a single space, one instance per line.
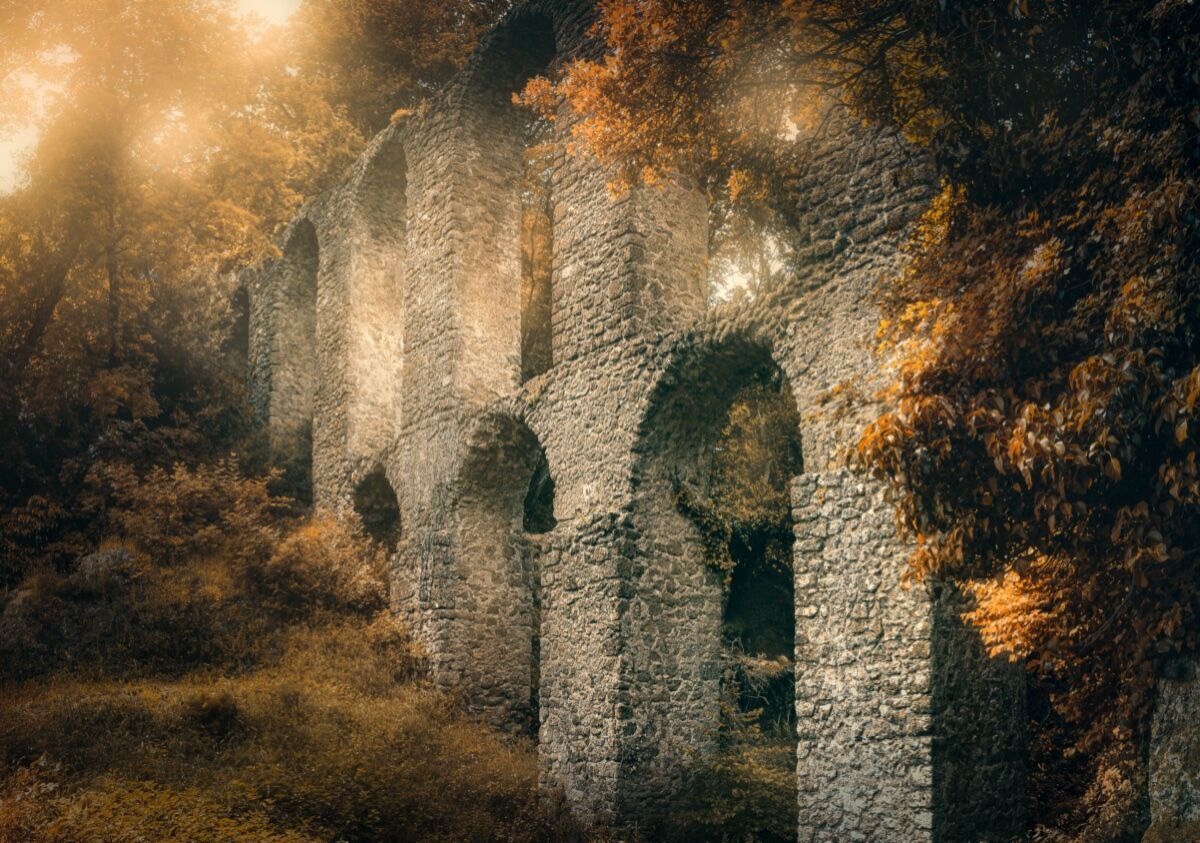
237 342
376 298
685 610
544 558
499 134
282 348
506 508
377 507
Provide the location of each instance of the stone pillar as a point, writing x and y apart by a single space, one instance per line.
334 387
292 324
1175 759
885 735
489 601
283 350
626 265
671 665
581 705
864 750
258 362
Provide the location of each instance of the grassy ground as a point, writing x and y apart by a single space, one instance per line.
224 670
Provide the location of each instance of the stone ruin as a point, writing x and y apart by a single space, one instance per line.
528 488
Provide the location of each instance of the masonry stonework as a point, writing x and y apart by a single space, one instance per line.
1174 768
538 550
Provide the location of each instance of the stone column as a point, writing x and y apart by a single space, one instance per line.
1175 758
625 265
581 705
897 707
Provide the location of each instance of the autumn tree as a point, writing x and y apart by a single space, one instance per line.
1040 442
175 140
118 220
374 58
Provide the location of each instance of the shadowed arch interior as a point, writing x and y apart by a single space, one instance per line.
294 356
377 508
505 511
237 344
714 603
523 46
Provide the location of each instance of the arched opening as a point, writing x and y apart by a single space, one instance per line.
376 325
294 357
377 508
746 519
520 48
538 513
537 256
237 343
508 289
714 606
505 513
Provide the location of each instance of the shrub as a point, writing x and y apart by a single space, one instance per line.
335 740
321 565
212 509
745 790
206 567
35 809
222 670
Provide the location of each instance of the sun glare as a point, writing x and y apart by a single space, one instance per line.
12 149
18 141
15 145
272 11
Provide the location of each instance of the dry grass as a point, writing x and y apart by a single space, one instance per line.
238 689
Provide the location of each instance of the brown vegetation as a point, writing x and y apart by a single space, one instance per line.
175 141
747 789
221 670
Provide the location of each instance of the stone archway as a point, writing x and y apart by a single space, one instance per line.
377 507
711 618
505 511
376 297
237 342
292 324
507 290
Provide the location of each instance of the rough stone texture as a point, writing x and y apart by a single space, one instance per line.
1175 759
907 730
391 328
863 670
969 762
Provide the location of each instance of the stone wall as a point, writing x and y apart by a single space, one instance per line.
907 730
1175 758
863 670
600 630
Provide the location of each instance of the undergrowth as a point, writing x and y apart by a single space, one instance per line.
222 668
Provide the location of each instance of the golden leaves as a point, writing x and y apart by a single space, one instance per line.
540 97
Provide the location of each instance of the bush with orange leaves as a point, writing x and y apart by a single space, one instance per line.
1044 436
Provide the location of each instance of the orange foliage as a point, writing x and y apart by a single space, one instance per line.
224 670
1042 435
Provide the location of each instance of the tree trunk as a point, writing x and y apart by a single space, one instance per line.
54 283
114 292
